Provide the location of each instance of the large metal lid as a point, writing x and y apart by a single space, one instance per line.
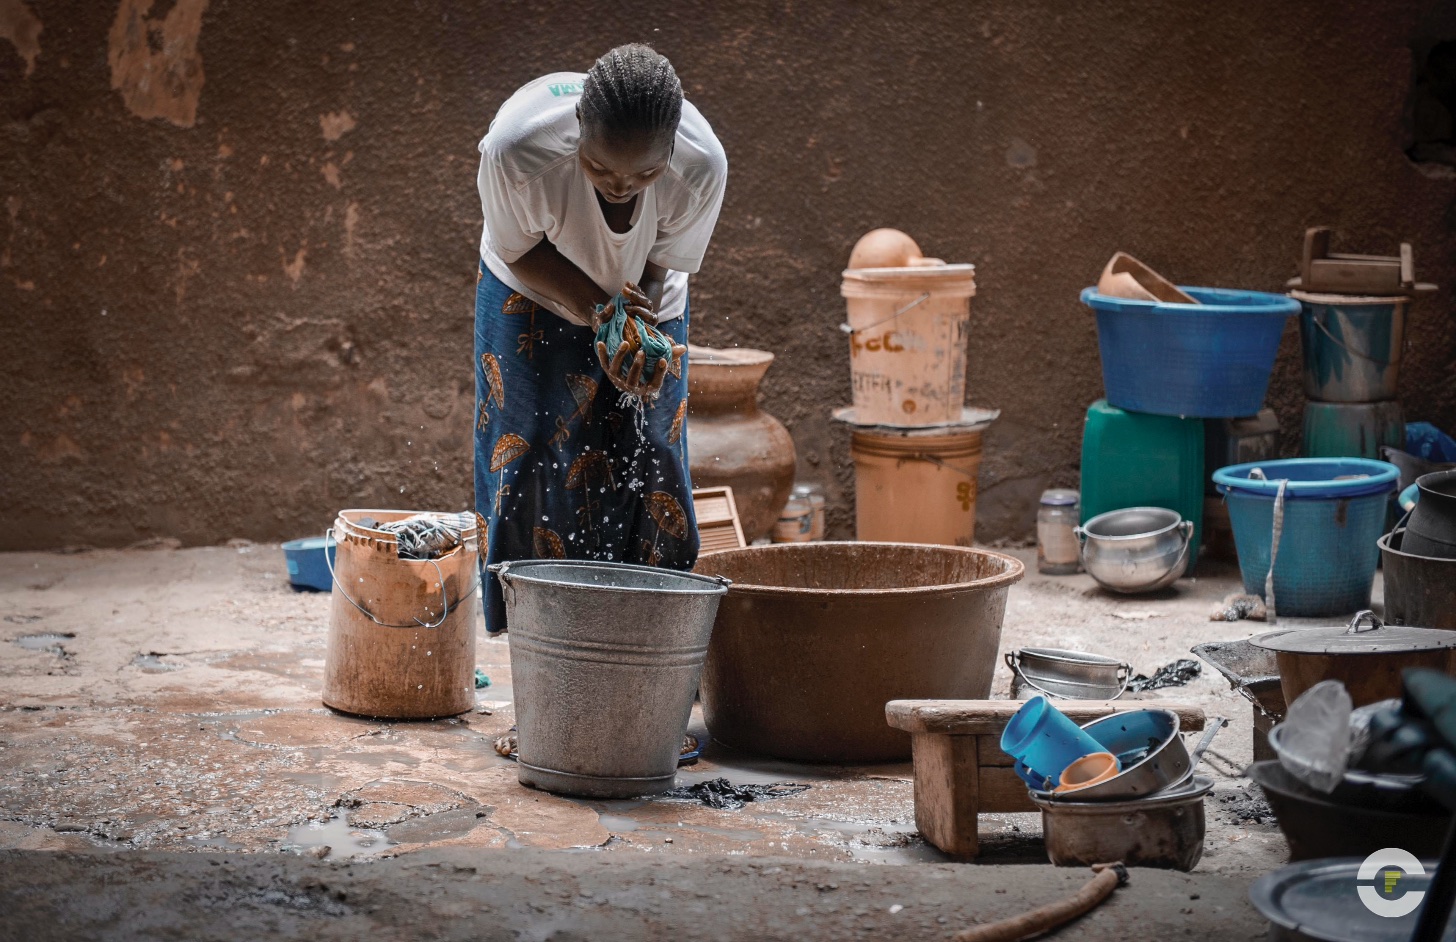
1365 634
1322 900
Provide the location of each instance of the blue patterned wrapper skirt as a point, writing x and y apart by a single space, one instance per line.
563 468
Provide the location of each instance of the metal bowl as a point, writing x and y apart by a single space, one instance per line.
1165 830
1379 791
1166 763
1138 549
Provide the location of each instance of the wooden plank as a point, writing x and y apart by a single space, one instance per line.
983 717
1002 790
988 748
946 799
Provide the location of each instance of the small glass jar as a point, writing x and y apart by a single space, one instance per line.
1057 550
814 494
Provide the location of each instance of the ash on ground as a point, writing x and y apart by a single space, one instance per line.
1244 805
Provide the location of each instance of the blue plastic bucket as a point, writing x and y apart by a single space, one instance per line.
308 563
1327 552
1044 742
1207 360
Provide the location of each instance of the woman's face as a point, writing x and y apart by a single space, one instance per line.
620 168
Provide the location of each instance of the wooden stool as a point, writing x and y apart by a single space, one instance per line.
961 771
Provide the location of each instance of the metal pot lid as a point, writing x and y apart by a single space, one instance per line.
1365 634
1320 899
971 420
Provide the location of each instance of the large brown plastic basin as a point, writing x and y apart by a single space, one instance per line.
813 639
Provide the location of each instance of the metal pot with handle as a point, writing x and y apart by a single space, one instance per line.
1366 655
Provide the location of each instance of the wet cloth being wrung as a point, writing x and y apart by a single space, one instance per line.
623 328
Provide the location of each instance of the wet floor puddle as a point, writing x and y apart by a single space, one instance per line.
154 663
340 837
48 641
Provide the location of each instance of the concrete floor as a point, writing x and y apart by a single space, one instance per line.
167 701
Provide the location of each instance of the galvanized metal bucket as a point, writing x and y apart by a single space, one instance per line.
605 659
1352 346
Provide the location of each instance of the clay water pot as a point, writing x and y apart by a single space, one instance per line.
733 443
884 248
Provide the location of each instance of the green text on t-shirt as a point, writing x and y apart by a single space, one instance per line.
564 88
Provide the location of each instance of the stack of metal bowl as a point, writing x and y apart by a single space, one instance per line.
1150 814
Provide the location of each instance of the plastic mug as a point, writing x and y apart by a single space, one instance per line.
1044 742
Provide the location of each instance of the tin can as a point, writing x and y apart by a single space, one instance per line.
796 521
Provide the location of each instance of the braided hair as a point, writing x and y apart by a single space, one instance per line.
632 90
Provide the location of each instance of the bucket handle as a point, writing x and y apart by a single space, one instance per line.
1344 346
1368 619
444 599
939 463
1013 661
916 303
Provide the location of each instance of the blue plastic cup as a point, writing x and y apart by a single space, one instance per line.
1043 741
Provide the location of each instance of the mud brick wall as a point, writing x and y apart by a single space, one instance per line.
238 240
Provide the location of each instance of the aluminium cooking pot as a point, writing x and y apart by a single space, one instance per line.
1367 656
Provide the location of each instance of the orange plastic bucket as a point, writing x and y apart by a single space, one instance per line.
401 631
916 486
908 329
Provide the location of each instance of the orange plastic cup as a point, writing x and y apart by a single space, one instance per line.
1089 770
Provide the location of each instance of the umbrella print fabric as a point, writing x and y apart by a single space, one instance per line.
564 469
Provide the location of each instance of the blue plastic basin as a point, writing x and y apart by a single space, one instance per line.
1327 548
308 563
1207 360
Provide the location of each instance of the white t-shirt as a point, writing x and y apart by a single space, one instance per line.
532 187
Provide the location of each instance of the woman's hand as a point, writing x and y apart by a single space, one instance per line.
628 376
638 305
629 379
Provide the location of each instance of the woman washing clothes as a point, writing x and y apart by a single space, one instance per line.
600 193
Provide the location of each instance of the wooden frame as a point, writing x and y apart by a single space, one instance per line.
719 528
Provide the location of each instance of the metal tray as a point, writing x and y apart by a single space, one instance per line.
1318 901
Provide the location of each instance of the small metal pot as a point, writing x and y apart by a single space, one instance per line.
1075 675
1138 549
1161 831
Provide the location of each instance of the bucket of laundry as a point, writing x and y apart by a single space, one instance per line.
308 561
813 639
908 330
1206 360
1351 345
1318 519
605 658
402 620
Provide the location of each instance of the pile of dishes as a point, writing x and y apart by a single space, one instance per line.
1121 787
